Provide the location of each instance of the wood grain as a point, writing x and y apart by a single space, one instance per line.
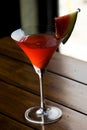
17 101
69 67
7 123
65 86
57 88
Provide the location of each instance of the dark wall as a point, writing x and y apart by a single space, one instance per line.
9 16
47 10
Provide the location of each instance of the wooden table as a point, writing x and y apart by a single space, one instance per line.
65 86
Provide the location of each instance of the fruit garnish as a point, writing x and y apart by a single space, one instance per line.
64 25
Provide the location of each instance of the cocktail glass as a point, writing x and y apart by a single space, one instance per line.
39 44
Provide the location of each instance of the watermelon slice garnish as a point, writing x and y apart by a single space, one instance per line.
64 25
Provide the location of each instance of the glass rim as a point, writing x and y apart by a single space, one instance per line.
32 29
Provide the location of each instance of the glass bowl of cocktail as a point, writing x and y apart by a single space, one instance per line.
39 43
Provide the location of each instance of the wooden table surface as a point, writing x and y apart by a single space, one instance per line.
65 86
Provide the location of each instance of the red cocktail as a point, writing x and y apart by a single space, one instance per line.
39 48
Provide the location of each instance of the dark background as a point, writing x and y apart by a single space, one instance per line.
10 14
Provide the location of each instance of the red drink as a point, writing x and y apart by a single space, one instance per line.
39 48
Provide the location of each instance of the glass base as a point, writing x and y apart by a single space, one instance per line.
38 116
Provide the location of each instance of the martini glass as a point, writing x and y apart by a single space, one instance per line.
39 44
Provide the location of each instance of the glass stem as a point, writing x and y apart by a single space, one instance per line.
41 91
40 74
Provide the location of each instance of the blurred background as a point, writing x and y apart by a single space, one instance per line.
17 13
76 46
